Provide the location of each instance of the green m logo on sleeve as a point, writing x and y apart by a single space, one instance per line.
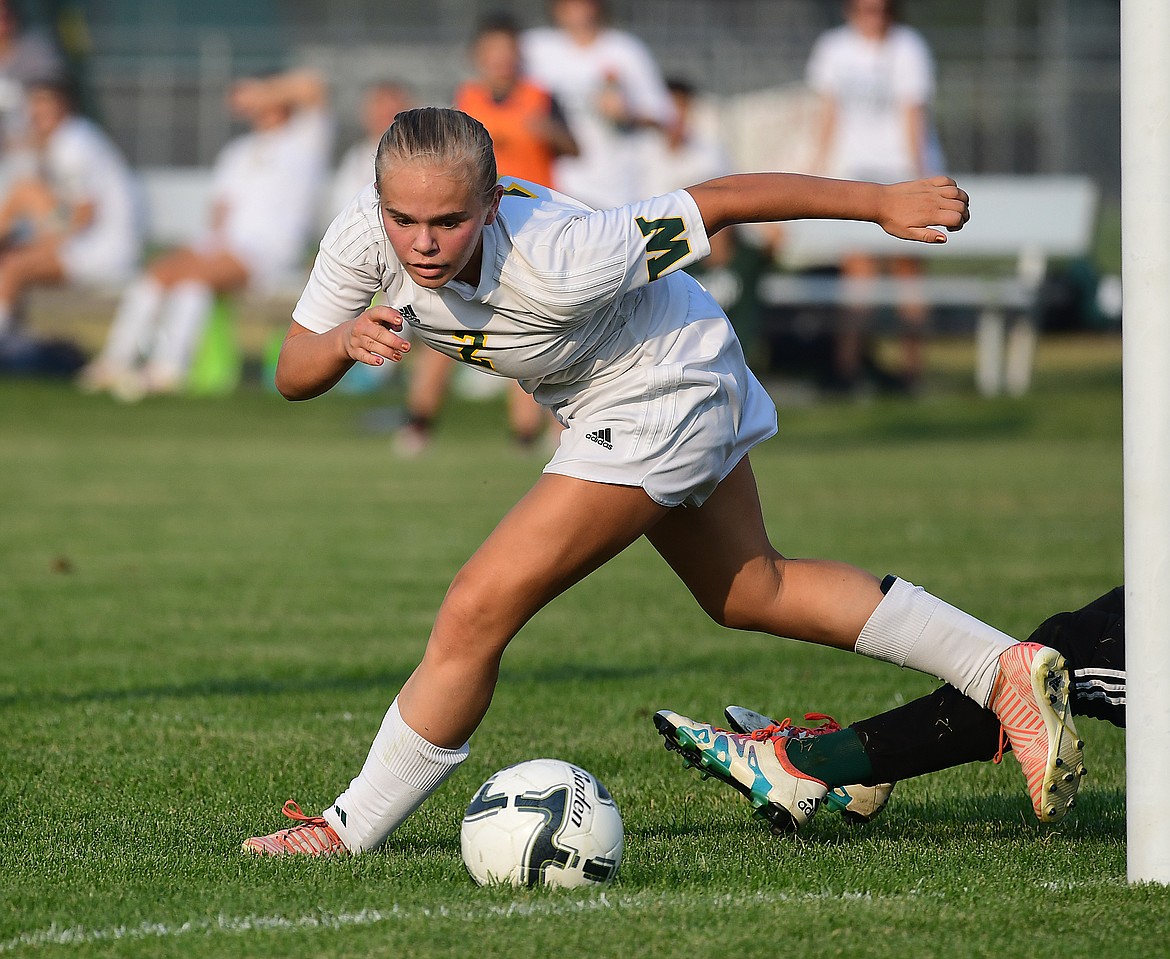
666 238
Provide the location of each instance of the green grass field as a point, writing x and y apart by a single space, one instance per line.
206 606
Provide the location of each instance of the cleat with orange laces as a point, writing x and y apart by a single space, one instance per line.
311 836
1031 700
856 804
756 764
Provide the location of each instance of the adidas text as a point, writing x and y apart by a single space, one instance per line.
601 438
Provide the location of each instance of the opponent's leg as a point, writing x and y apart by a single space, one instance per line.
37 263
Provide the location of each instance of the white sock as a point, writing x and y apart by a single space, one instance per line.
130 333
184 318
401 771
912 628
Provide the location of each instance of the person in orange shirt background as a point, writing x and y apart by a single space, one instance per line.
525 121
529 132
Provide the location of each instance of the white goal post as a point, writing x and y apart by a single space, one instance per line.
1145 207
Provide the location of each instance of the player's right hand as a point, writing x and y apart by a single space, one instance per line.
373 337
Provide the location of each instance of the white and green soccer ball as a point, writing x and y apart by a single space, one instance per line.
542 822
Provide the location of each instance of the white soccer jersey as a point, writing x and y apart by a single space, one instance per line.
563 293
82 165
871 83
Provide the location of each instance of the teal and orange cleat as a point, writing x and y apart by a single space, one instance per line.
755 763
856 804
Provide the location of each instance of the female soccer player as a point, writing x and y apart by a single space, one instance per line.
591 312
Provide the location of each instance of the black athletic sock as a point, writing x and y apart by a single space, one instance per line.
935 732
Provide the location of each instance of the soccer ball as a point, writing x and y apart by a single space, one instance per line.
542 822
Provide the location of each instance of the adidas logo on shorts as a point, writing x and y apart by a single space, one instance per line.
601 438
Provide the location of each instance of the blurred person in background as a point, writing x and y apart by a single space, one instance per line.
875 79
26 55
77 218
680 154
686 152
266 189
381 102
529 132
612 92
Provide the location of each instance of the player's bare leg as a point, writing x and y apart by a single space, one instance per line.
21 267
913 312
722 552
38 262
28 203
218 269
559 532
529 421
563 529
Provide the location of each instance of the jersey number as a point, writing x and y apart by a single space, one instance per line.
470 352
666 239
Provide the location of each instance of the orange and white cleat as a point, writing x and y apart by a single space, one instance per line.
311 836
1030 698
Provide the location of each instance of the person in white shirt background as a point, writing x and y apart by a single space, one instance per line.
875 79
682 153
78 217
381 102
612 92
26 55
266 193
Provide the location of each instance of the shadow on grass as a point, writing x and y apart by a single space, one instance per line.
257 686
1099 817
243 686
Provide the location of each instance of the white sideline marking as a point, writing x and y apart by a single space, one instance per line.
79 935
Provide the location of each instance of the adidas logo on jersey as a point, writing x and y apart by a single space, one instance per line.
408 313
601 438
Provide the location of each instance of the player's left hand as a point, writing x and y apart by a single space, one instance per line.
914 209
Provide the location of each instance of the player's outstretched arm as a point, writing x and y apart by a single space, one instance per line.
312 363
913 210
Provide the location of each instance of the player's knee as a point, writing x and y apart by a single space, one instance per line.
748 602
470 623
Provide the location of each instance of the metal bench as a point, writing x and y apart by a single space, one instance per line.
1024 220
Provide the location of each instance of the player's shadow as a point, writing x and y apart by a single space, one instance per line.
1099 816
384 680
241 686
